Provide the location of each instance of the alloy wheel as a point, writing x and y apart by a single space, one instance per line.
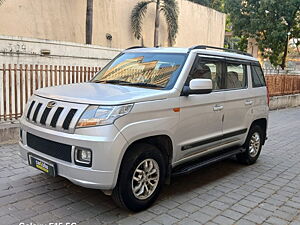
145 179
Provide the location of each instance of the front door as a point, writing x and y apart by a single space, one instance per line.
200 126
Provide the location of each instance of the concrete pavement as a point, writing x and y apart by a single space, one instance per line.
225 193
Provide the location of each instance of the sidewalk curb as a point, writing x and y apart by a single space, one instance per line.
9 133
285 101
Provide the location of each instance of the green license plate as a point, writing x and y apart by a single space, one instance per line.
42 164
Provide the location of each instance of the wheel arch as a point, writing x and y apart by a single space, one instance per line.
162 141
263 123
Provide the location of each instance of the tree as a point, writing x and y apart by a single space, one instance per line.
271 22
1 2
170 10
89 22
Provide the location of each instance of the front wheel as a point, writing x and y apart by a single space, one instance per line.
141 177
253 145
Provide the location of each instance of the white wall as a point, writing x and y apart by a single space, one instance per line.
20 50
64 20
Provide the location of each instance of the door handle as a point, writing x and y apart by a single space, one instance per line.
248 102
218 107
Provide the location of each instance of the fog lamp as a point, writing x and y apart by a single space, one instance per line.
83 156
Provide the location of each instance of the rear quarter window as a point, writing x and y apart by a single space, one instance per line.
258 79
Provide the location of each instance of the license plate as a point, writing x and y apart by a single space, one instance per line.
42 164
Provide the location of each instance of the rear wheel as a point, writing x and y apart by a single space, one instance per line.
252 145
141 177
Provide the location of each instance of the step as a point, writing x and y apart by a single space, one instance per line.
190 167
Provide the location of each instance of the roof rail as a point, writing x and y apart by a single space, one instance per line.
133 47
218 48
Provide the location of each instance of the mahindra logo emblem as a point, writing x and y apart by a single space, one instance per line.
51 104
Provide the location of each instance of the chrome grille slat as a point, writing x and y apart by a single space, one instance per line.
50 116
45 115
56 116
76 117
30 109
33 110
62 118
68 119
41 111
36 112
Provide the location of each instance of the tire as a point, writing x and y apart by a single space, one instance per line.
136 160
253 145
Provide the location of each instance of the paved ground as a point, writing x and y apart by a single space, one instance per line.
225 193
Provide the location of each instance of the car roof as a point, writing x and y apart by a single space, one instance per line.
187 50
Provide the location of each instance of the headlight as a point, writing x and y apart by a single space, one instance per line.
102 115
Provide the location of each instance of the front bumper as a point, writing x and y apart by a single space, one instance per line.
106 148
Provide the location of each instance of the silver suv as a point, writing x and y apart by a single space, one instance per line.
150 114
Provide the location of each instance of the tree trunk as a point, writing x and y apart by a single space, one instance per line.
170 41
156 28
89 22
285 53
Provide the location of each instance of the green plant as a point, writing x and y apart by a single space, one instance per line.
271 22
170 10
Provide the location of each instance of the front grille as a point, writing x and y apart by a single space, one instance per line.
52 148
62 116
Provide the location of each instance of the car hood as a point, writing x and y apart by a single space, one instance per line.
101 94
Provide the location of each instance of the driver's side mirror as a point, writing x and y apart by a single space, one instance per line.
198 86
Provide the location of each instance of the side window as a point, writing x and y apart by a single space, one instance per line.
207 69
236 76
258 79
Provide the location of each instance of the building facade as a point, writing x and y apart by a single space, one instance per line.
64 20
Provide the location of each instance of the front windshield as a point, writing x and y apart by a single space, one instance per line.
150 70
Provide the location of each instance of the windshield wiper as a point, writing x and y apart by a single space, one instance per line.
141 84
111 81
145 85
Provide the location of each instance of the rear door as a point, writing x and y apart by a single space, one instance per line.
238 102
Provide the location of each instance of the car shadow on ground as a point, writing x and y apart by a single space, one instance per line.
180 185
193 182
